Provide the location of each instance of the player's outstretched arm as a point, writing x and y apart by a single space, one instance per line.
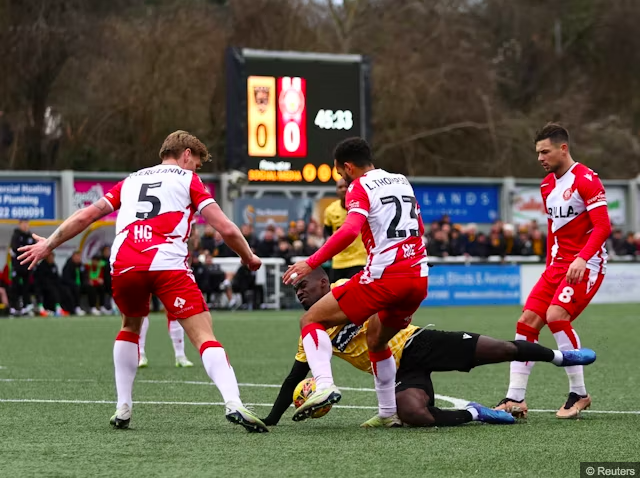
299 372
70 228
341 239
231 234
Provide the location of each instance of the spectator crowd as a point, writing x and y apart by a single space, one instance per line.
48 291
444 239
82 288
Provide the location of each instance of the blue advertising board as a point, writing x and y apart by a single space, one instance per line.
463 203
473 285
27 200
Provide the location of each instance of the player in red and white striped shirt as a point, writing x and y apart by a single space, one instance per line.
578 227
149 256
392 286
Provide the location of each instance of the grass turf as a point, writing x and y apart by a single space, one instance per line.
70 359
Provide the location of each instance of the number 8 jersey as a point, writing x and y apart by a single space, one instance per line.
155 211
393 230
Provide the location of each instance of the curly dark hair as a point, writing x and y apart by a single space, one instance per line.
353 150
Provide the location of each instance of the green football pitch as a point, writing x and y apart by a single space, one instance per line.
57 394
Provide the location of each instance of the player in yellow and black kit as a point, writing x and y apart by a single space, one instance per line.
352 259
418 353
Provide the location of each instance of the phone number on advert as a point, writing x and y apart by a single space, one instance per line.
22 212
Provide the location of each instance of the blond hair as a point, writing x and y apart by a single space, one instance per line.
179 141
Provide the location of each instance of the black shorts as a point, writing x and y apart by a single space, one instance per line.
435 351
347 273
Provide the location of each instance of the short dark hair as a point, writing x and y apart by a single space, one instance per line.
318 273
553 131
353 150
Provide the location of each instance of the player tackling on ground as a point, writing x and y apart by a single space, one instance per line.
578 227
417 353
149 256
393 283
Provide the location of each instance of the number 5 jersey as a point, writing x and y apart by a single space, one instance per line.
155 211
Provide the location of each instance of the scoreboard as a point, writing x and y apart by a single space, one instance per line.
286 111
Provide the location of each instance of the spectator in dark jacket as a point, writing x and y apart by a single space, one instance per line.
284 250
49 291
480 248
496 244
630 246
438 246
207 239
76 280
470 238
513 244
456 247
310 246
618 242
104 258
220 248
539 243
526 244
248 233
21 276
267 247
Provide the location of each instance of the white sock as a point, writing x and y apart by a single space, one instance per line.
318 350
519 374
143 335
567 339
473 412
521 371
125 366
221 372
385 371
177 335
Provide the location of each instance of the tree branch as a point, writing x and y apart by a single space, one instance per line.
431 132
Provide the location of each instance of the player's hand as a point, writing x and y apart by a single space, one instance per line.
576 271
296 272
34 253
253 263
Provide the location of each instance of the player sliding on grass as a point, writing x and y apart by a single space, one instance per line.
392 285
578 227
417 353
149 256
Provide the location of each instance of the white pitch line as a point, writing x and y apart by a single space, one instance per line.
208 404
146 402
456 402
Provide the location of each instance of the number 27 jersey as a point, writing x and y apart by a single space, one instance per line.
393 229
155 211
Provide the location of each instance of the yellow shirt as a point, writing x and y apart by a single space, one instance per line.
349 343
355 254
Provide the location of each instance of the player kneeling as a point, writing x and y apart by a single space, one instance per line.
418 353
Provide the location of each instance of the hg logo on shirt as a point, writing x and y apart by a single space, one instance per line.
142 233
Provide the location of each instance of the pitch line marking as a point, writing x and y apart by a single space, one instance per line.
457 403
208 404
